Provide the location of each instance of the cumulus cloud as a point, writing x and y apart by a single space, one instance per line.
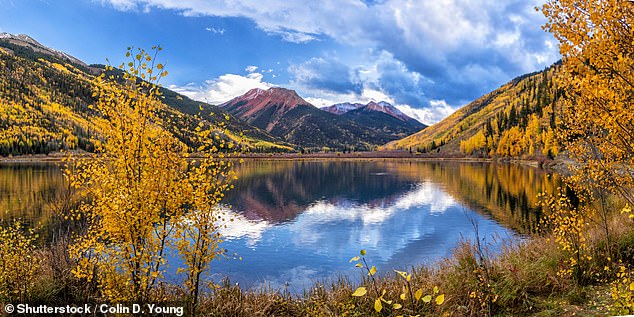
451 50
379 78
296 37
222 89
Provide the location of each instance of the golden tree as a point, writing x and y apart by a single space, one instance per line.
146 191
18 264
597 45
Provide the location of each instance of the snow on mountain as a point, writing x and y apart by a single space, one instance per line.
27 41
342 108
386 108
381 106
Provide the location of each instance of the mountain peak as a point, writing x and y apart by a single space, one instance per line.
380 106
29 42
253 93
275 102
341 108
388 108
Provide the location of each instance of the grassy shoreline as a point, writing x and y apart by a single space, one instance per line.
522 280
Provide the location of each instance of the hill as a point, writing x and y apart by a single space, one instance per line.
45 96
515 120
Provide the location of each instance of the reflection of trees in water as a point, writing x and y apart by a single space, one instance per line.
506 192
27 190
279 191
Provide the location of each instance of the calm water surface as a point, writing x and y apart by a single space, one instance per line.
300 222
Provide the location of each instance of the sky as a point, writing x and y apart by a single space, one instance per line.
428 57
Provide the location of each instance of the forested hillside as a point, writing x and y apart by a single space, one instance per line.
515 120
45 107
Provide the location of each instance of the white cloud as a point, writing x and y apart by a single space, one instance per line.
427 30
123 5
222 89
451 50
296 37
214 30
251 68
438 110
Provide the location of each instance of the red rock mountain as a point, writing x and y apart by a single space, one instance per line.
286 115
273 103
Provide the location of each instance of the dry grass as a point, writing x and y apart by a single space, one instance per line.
521 279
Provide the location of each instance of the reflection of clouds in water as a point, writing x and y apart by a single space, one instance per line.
313 226
419 225
241 227
300 277
424 194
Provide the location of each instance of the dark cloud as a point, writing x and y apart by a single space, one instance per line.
452 50
324 74
397 81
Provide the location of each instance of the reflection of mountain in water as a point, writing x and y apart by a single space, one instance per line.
301 221
420 225
280 191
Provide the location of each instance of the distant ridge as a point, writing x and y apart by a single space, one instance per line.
283 113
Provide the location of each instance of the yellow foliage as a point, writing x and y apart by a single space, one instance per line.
477 143
146 194
622 292
18 265
598 113
569 226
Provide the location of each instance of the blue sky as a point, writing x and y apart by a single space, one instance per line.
429 57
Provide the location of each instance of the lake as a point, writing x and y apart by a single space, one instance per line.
298 222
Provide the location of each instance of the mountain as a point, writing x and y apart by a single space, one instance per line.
286 115
386 117
387 109
342 108
380 116
45 96
515 120
382 106
25 41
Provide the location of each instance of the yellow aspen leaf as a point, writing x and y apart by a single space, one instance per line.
440 299
418 294
427 299
361 291
377 305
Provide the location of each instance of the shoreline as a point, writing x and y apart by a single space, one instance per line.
558 165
